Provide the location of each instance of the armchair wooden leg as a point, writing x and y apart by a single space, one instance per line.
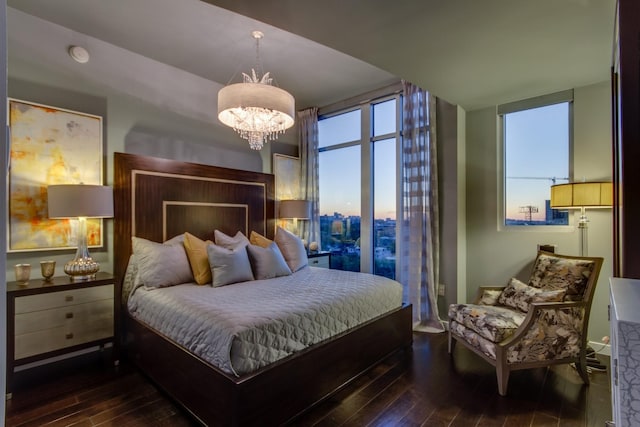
502 373
452 343
581 367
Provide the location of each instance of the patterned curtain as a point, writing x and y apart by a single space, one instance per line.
420 244
308 125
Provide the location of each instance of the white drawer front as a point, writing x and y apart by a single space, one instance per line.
34 343
321 261
62 298
75 314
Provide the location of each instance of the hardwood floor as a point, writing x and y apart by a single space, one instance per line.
422 388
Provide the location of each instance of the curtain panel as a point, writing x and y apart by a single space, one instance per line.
308 125
420 244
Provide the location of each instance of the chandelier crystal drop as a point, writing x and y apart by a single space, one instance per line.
258 111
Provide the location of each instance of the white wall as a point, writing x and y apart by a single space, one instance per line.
494 256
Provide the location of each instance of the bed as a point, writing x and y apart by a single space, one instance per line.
156 199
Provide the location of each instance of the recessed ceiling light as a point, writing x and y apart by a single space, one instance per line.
79 54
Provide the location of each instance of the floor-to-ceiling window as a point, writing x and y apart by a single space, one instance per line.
358 185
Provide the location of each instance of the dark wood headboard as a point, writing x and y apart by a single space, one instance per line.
157 199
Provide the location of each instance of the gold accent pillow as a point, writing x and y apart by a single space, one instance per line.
197 253
259 240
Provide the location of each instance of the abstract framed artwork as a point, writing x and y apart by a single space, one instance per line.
286 170
49 145
287 173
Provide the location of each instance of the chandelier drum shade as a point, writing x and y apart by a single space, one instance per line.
256 109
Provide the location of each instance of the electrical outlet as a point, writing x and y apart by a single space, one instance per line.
441 289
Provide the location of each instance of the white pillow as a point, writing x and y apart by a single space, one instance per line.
268 262
229 242
229 265
292 249
161 264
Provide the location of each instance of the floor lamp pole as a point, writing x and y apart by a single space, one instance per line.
582 226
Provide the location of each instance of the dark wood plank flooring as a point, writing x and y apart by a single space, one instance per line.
424 387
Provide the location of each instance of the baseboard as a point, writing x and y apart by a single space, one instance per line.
600 348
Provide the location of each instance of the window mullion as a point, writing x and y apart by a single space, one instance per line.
366 192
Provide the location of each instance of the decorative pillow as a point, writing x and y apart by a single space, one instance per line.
259 240
551 272
292 249
489 296
519 295
230 242
229 265
198 258
161 264
268 262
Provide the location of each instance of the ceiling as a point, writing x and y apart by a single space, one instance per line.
469 52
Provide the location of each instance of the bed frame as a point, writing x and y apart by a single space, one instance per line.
157 199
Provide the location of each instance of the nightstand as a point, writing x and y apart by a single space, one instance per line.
320 259
47 319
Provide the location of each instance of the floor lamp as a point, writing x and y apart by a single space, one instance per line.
583 196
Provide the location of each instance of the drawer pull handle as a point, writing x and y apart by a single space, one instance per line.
68 316
69 336
68 298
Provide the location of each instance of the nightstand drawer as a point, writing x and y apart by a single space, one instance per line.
35 343
63 316
50 300
319 261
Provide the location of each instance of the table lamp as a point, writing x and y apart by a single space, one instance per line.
295 209
80 201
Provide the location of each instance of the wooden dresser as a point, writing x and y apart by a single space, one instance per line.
47 319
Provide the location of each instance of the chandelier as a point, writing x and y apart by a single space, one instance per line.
256 109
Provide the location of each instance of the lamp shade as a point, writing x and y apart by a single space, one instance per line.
582 194
299 209
235 100
80 200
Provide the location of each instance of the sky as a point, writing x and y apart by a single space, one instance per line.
340 169
537 152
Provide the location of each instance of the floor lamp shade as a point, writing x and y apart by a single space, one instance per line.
582 195
80 201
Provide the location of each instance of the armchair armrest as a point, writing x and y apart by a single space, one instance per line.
488 295
551 330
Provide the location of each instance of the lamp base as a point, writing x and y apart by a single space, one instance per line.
81 269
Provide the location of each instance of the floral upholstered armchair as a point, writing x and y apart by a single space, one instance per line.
529 325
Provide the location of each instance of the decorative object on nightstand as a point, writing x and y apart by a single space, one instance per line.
23 271
50 318
296 210
48 269
80 201
582 195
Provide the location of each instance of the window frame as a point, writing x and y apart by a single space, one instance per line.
366 143
513 107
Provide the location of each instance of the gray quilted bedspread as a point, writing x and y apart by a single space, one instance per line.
245 326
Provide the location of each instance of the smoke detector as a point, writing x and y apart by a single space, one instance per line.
79 54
